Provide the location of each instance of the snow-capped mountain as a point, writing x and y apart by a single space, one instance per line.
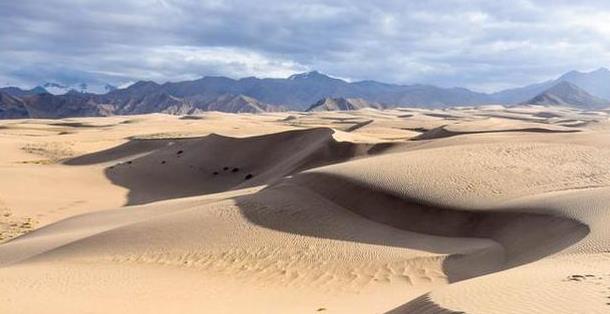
62 89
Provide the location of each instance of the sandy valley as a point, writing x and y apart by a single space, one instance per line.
484 209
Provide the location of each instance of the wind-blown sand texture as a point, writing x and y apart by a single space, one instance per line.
475 210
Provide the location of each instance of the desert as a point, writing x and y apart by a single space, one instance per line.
472 209
309 156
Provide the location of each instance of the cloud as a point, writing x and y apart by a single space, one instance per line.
484 45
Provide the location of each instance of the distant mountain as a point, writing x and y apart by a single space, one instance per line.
342 104
12 107
72 104
18 92
239 104
596 83
567 94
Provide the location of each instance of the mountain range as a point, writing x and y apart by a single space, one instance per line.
297 92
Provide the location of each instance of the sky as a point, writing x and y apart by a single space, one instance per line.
481 45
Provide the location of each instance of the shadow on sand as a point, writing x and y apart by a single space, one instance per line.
519 236
161 169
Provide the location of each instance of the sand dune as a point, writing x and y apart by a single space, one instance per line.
477 210
171 168
493 125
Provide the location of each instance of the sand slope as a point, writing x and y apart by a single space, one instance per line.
508 214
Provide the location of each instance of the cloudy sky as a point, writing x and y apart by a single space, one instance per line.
483 45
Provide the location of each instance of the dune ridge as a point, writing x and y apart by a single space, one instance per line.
192 166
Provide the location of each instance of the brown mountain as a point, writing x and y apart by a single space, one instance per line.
239 104
12 107
342 104
567 94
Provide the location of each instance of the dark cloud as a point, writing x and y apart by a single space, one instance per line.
484 45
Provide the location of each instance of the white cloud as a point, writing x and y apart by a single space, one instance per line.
235 62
